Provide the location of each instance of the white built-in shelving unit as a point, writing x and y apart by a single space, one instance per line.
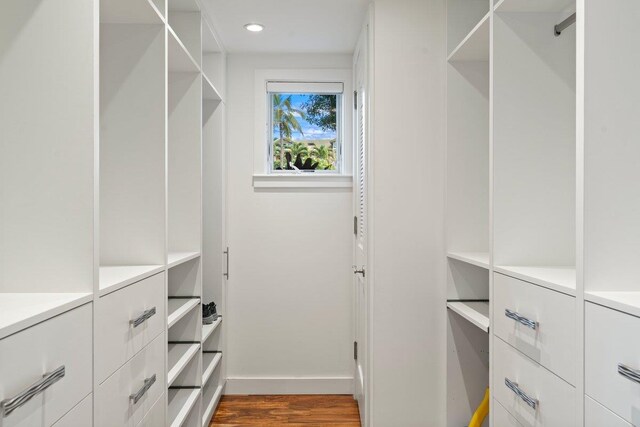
103 161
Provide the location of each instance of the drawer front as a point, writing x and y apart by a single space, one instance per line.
596 415
611 339
553 341
64 340
115 407
118 340
80 416
502 418
555 398
155 417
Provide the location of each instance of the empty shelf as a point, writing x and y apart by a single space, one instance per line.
180 60
210 362
535 6
183 6
179 307
207 330
211 406
177 258
22 310
476 312
561 279
115 277
627 302
209 91
480 259
181 402
475 46
129 12
178 358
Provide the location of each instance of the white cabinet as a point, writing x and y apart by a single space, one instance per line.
80 416
126 396
539 322
596 415
127 320
34 354
532 394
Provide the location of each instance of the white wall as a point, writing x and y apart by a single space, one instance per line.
408 270
289 313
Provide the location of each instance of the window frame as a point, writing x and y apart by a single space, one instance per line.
339 144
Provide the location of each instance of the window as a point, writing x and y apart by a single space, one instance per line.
305 131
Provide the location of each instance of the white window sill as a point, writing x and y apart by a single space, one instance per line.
304 180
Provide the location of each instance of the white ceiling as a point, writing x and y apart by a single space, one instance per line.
292 26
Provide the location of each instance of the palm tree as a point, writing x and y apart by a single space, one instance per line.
284 118
299 148
321 152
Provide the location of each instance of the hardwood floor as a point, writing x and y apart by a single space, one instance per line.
289 411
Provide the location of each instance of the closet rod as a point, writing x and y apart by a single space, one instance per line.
559 28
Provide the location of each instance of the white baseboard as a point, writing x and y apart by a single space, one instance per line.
289 385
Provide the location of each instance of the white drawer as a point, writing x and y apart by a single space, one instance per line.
596 415
80 416
556 398
553 341
117 340
502 418
64 340
155 416
610 339
114 406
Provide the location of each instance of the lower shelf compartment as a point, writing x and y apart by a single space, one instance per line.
211 396
178 358
181 403
476 312
210 362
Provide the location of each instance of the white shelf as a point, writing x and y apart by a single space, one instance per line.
181 402
180 60
476 312
479 259
207 330
210 362
178 358
561 279
542 6
129 12
209 91
627 302
114 277
177 258
19 311
211 407
179 307
475 46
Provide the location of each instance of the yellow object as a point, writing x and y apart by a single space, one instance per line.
482 411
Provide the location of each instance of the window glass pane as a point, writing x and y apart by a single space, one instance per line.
305 132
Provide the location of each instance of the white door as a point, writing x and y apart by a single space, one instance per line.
360 279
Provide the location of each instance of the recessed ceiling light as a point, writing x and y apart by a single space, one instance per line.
254 28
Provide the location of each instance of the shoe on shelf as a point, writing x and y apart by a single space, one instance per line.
209 313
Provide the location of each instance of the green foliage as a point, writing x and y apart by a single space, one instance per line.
285 122
322 111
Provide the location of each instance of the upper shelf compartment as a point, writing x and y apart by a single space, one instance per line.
180 59
475 46
131 12
541 6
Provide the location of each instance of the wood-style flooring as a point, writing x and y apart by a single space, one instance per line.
289 411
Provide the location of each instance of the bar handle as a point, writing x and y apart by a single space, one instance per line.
513 386
629 373
7 406
143 317
521 319
227 254
145 387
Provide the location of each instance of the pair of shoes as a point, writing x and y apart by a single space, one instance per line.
209 313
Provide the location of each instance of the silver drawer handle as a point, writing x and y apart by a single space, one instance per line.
143 317
521 319
147 385
629 373
7 406
521 394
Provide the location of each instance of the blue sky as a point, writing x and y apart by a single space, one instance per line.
311 132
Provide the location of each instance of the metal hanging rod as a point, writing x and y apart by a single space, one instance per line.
559 28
